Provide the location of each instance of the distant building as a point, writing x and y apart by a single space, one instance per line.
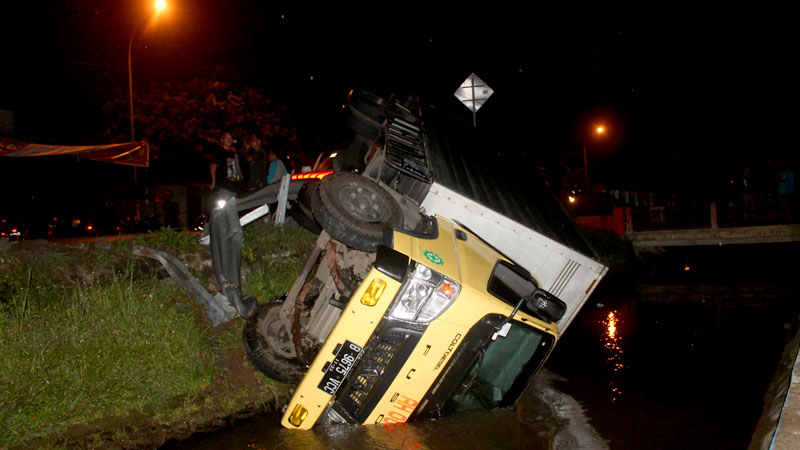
6 123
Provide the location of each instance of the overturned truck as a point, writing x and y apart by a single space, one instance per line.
440 281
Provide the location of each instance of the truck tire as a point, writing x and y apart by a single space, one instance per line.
354 210
370 106
259 351
301 208
360 124
304 219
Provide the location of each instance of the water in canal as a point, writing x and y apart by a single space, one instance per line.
680 359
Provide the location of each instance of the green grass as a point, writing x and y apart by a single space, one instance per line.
275 257
169 240
102 351
91 332
37 278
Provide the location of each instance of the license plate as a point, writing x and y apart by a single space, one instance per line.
339 367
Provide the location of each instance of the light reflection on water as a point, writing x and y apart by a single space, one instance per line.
612 344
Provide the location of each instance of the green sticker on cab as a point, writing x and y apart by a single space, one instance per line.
433 257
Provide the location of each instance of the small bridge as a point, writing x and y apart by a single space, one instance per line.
649 227
762 234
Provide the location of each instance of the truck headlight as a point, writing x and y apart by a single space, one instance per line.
425 296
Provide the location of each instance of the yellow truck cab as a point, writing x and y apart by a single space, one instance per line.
442 322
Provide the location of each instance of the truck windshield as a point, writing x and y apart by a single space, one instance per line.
502 370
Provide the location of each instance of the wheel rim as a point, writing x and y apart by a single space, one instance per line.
363 203
277 336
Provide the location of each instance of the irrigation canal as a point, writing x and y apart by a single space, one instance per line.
680 356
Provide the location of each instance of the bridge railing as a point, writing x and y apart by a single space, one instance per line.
658 211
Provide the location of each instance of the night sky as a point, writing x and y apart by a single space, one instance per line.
715 89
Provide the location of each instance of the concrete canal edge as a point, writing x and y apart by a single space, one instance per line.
779 425
787 435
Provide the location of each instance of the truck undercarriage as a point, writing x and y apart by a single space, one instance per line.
283 336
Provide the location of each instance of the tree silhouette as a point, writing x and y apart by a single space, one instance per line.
179 117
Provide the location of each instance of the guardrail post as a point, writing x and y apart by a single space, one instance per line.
714 223
628 220
283 196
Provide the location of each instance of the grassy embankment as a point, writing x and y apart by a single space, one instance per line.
100 347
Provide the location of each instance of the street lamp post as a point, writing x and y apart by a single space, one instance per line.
130 79
599 130
585 164
160 5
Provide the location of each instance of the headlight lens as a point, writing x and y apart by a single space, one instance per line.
426 296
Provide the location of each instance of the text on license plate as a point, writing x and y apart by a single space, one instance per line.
339 367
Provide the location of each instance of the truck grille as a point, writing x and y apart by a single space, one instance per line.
384 355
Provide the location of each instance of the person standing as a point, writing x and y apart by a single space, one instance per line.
258 163
785 190
767 181
224 166
276 168
171 211
747 193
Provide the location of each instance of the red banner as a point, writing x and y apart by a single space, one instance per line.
129 153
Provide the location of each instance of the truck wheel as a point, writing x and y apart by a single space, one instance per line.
360 124
301 209
259 351
366 113
304 219
354 210
373 108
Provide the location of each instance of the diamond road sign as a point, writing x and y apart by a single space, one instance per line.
473 93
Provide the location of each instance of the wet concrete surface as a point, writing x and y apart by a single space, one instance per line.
788 433
779 426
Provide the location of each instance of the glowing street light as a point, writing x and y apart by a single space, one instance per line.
599 130
160 5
